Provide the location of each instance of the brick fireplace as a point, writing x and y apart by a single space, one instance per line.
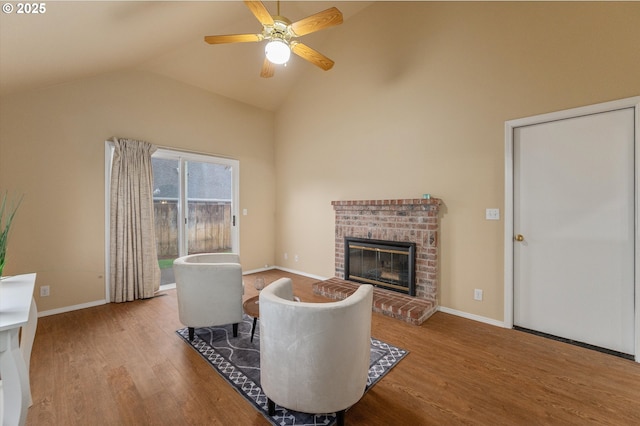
406 220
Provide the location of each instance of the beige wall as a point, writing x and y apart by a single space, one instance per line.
52 150
417 103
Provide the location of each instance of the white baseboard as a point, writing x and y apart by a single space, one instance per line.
167 287
304 274
72 308
255 271
280 268
90 304
473 317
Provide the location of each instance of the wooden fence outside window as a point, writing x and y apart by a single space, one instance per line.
209 229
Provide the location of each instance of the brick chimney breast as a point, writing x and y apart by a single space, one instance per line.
404 220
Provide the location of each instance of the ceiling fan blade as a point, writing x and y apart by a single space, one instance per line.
313 56
233 38
268 69
260 12
319 21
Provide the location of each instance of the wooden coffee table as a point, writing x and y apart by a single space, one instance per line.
251 307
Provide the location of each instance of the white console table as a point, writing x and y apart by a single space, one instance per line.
15 301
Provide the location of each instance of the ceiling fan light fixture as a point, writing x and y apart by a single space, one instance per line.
278 51
280 35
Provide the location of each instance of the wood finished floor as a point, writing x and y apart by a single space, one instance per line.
123 364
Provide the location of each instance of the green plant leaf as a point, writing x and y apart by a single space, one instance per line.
7 213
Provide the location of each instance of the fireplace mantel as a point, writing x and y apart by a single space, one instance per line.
405 220
381 203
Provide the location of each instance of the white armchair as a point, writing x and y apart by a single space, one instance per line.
209 289
314 357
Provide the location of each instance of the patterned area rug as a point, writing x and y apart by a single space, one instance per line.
238 361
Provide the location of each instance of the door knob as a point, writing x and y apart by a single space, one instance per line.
519 237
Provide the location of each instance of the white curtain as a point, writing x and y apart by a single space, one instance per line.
134 269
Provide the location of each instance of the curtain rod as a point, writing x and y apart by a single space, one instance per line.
180 150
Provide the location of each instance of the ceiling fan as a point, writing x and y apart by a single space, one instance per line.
281 34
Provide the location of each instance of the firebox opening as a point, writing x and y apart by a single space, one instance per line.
386 264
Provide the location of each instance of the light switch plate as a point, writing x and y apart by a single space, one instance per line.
492 214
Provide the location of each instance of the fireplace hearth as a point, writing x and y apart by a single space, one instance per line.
385 264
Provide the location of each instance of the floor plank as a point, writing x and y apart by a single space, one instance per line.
123 364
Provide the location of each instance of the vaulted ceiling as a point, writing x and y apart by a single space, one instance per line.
79 39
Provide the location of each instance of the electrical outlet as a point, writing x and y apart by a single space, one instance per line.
296 257
477 294
286 256
44 291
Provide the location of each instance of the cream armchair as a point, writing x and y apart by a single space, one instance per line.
209 288
314 357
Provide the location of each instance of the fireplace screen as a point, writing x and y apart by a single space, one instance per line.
387 264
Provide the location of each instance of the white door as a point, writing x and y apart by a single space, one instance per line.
573 222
